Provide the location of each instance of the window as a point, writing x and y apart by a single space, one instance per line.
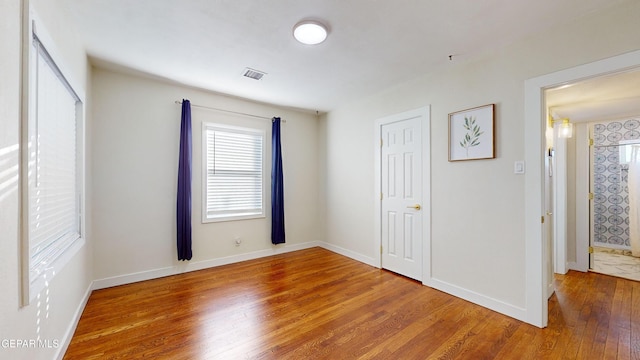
233 184
53 170
625 149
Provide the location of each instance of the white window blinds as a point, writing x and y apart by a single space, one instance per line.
53 175
234 179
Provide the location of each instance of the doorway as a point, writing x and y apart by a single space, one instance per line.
593 234
538 254
403 189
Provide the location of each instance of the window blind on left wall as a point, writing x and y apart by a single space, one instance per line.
54 190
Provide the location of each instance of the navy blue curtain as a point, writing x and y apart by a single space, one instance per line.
277 187
184 185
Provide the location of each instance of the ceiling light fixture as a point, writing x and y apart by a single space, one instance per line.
310 32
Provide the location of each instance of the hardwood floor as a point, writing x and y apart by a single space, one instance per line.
314 304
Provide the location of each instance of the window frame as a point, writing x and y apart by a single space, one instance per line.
34 283
206 126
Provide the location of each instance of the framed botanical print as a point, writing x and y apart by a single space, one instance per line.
471 134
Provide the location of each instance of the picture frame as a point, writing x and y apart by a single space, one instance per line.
472 134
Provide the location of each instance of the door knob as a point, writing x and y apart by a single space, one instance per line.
416 206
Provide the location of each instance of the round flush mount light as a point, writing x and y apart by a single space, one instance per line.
310 32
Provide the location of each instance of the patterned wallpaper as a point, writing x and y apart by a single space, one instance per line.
611 196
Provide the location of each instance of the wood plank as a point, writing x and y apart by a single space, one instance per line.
317 304
617 322
634 342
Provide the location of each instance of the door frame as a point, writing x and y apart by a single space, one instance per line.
584 207
424 114
536 251
560 197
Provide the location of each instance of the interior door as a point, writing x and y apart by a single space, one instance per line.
591 202
401 204
548 224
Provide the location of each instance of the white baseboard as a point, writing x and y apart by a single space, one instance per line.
465 294
199 265
348 253
468 295
71 329
479 299
573 265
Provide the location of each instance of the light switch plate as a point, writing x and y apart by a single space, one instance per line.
518 167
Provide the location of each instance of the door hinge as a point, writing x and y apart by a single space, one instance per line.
590 196
590 142
380 249
590 249
380 142
542 219
380 196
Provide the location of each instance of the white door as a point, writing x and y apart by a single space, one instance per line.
548 226
401 204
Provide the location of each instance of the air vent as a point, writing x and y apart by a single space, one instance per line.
254 74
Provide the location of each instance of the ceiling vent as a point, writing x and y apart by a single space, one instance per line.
254 74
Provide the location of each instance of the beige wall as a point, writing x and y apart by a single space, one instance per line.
135 157
51 318
477 206
132 139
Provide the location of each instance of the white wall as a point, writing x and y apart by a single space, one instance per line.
571 199
136 126
477 207
54 316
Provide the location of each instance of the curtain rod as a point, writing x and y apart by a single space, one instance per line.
230 111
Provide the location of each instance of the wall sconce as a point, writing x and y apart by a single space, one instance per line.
566 128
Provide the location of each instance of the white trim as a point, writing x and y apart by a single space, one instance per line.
559 203
38 283
350 254
536 274
582 200
31 286
377 195
23 183
47 41
574 265
206 264
198 265
71 329
426 194
536 302
204 152
479 299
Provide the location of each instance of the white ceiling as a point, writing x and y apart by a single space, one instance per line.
372 44
610 97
